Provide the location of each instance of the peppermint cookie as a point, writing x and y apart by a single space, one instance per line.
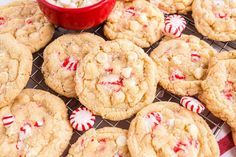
219 88
182 64
15 68
24 20
173 6
34 125
62 57
165 129
139 21
105 142
117 81
216 19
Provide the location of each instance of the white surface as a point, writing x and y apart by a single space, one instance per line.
4 2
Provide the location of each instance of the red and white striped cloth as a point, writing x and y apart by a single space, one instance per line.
225 141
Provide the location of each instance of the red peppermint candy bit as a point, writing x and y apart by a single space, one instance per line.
118 83
19 145
195 57
82 142
174 26
39 123
70 64
228 96
131 11
28 21
192 104
117 155
187 40
8 120
113 82
194 142
221 15
154 119
102 140
2 20
177 75
109 70
25 131
82 119
229 86
180 147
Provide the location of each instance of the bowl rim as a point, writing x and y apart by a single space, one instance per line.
83 9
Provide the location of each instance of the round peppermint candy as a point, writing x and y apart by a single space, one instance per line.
174 26
8 120
192 104
82 119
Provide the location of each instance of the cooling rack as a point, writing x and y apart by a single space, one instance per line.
37 81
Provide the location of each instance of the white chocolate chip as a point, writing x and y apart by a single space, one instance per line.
219 2
102 58
121 141
143 18
193 130
171 122
176 60
65 2
134 26
198 73
132 57
73 5
118 98
129 83
110 78
126 72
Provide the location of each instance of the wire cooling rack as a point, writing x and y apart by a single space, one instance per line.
37 81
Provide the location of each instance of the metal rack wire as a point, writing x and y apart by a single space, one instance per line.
37 81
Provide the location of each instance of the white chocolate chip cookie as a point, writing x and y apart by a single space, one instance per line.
117 81
105 142
15 68
216 19
139 21
182 64
24 20
35 125
173 6
166 129
219 88
62 57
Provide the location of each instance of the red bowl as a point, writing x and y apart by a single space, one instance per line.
77 18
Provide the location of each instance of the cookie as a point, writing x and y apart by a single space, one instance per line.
15 68
139 21
215 19
40 127
234 136
105 142
24 20
166 129
173 6
219 88
182 64
117 81
62 57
